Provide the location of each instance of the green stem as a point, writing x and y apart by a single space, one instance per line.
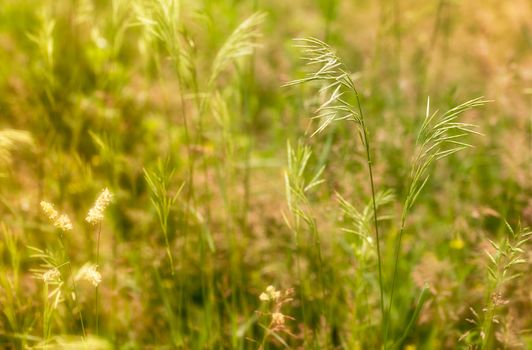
96 294
397 251
74 286
47 316
375 215
300 276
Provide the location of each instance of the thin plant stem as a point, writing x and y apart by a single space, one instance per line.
375 215
190 202
187 139
394 278
264 338
317 244
73 286
300 277
47 316
96 294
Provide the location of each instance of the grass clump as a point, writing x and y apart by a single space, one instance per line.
161 188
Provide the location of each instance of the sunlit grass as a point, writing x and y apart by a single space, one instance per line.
261 192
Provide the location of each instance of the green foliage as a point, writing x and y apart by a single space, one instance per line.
329 70
242 42
231 227
159 181
439 136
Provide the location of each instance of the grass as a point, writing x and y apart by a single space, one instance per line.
265 192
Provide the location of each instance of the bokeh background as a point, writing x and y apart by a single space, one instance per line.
92 95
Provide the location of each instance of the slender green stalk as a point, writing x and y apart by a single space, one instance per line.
47 316
74 286
375 214
440 136
333 73
299 274
394 277
96 293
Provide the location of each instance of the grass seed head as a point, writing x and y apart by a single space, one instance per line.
51 276
278 319
61 221
270 294
89 273
95 214
49 210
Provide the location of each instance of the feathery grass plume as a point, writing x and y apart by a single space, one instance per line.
296 181
338 87
270 294
240 43
276 325
159 181
440 136
502 268
162 19
342 103
60 221
49 210
10 139
361 221
49 273
52 275
89 272
63 222
95 214
43 71
298 184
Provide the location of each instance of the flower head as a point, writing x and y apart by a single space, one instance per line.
49 210
61 221
276 299
95 214
270 294
90 274
51 276
278 319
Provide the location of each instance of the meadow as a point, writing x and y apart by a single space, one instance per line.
265 174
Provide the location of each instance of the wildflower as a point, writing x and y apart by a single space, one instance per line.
95 214
62 221
457 244
278 319
498 299
49 210
277 299
51 276
270 295
90 274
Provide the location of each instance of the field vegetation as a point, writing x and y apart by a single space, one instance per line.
265 174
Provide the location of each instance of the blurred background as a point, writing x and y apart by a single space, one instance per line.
178 107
